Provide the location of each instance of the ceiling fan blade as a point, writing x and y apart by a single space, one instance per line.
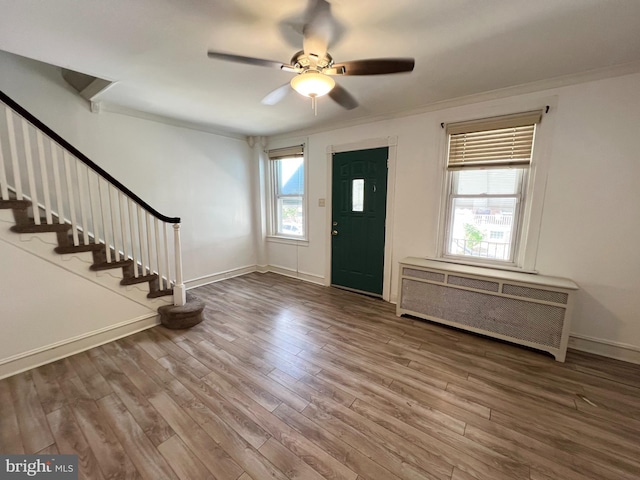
277 95
319 28
343 98
316 12
373 66
229 57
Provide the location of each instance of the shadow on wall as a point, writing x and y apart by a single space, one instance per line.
592 318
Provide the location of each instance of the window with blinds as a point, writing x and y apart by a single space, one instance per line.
492 143
487 167
287 173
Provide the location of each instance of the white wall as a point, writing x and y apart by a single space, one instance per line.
48 311
27 324
589 224
205 179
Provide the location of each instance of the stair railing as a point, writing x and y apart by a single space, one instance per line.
38 165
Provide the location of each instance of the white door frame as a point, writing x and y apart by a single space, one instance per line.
392 144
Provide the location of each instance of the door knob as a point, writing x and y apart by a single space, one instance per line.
334 232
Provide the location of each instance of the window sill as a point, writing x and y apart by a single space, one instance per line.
288 240
471 263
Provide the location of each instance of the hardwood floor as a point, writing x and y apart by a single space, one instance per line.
288 380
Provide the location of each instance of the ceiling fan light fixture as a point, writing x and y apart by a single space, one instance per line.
312 84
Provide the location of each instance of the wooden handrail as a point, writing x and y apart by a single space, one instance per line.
83 158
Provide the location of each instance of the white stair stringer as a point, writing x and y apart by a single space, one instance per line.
42 245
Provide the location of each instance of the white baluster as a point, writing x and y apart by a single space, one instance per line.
83 204
179 291
94 203
72 207
17 180
4 189
56 180
143 254
31 177
160 269
149 243
132 232
44 175
166 258
104 218
114 223
123 224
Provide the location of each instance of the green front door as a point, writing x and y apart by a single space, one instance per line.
359 207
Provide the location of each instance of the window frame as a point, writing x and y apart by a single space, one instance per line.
532 204
273 156
520 205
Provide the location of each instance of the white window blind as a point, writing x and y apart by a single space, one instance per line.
287 152
493 142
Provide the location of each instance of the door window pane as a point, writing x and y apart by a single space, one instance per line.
357 195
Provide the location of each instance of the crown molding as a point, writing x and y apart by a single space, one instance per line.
522 89
131 112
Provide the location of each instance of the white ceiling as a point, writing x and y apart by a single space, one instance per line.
155 51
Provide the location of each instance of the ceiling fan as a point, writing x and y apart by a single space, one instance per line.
313 65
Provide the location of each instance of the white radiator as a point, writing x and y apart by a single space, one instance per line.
526 309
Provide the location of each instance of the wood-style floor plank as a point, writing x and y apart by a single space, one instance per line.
186 465
146 416
215 458
143 453
109 452
70 440
337 448
10 439
46 381
287 462
289 380
95 383
34 429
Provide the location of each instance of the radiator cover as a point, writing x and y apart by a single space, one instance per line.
532 310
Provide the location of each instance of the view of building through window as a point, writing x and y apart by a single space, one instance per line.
289 196
484 209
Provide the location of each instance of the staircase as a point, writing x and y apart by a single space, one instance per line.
24 223
51 187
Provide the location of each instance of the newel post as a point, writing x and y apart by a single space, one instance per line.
179 291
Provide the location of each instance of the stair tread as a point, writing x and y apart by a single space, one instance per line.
13 203
91 247
110 265
160 293
33 228
140 279
28 225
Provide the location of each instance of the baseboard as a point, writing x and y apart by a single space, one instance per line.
606 348
65 348
311 277
288 272
216 277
